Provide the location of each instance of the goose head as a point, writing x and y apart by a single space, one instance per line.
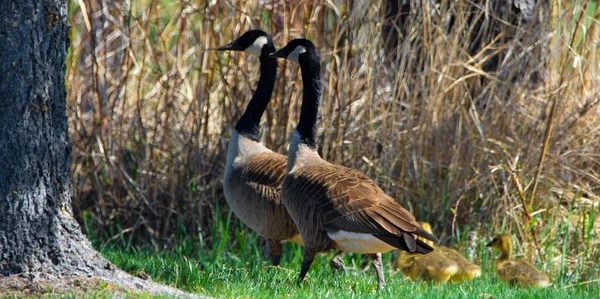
502 243
297 50
254 42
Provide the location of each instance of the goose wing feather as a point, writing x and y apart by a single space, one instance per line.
348 200
265 168
255 186
264 173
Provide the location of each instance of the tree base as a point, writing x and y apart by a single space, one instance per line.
110 281
72 264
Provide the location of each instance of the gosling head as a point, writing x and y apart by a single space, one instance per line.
254 42
297 50
426 227
502 243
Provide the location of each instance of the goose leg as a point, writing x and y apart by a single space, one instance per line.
275 251
308 258
378 265
337 262
395 258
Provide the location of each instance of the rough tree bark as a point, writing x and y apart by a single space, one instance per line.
39 238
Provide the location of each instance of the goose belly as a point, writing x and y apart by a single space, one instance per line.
358 242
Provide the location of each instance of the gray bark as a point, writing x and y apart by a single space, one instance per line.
36 228
38 234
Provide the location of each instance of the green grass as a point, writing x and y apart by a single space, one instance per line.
229 264
251 277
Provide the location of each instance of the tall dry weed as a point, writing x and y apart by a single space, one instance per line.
470 114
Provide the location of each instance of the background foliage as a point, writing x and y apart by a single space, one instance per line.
479 116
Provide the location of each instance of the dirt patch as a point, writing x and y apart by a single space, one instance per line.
19 285
119 285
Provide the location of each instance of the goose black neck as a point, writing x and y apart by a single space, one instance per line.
311 80
248 123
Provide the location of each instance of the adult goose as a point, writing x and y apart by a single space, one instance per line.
336 207
254 173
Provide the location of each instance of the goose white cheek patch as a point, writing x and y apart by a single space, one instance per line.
297 51
256 47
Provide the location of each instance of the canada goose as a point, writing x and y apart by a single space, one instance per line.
466 270
336 207
515 271
254 173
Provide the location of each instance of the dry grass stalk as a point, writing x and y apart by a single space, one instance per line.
460 86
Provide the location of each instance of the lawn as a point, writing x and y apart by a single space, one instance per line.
248 275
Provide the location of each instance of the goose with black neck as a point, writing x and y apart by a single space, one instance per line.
254 173
336 207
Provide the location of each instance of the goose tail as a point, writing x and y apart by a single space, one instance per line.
406 242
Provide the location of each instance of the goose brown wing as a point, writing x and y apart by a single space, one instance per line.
264 172
353 202
255 186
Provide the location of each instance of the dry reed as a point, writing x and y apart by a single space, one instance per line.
472 116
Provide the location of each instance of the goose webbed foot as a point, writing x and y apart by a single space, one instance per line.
275 260
275 249
337 262
306 262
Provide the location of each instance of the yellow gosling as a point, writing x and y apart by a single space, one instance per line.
430 267
516 272
466 270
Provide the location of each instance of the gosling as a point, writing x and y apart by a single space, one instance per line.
516 272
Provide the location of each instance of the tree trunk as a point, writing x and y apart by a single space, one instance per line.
38 234
37 231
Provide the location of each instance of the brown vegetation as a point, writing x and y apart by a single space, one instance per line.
473 117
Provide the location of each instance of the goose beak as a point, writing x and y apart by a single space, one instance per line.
230 46
278 54
488 244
